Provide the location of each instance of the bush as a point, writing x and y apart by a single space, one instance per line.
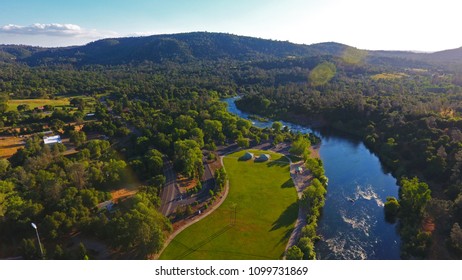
306 245
391 209
294 253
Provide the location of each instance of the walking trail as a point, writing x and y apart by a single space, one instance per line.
301 181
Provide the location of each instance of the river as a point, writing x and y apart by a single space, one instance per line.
352 224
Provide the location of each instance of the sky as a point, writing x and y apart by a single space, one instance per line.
425 25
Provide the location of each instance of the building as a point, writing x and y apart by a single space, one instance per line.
106 205
263 157
247 156
51 139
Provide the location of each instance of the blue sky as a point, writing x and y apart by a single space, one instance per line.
425 25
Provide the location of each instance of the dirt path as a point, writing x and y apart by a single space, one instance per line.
301 181
196 218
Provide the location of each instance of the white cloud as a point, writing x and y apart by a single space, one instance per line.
54 29
141 33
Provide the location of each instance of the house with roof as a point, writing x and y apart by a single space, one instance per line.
47 140
247 156
263 157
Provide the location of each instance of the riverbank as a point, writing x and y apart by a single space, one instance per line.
350 230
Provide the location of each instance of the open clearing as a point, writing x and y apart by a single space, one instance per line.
388 76
9 145
265 200
13 104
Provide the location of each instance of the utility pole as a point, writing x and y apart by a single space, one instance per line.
38 238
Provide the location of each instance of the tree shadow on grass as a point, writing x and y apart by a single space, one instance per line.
288 184
285 238
287 218
280 162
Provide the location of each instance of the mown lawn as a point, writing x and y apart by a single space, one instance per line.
13 104
266 210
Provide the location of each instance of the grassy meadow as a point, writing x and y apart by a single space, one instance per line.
266 209
13 104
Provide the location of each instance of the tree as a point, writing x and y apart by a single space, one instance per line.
391 208
414 195
243 142
114 172
309 230
294 253
57 125
456 237
243 124
77 137
307 247
188 158
97 147
299 146
277 126
3 102
82 253
4 165
23 107
185 122
78 102
213 130
141 228
29 250
197 135
154 164
221 177
58 253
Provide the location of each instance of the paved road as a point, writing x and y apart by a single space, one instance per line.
208 180
170 190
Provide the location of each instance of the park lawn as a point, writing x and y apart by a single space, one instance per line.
13 103
266 204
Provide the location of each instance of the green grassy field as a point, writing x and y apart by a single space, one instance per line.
13 104
266 210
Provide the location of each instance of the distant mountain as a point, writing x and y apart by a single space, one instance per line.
195 46
453 56
184 47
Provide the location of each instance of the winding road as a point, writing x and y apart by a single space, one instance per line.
170 190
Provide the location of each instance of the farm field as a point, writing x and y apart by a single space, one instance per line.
9 146
254 222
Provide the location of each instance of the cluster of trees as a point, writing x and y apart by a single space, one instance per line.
147 120
61 195
312 200
412 209
301 147
220 178
413 122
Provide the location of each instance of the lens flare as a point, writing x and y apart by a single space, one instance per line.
354 56
322 74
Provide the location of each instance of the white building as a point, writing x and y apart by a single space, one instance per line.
52 139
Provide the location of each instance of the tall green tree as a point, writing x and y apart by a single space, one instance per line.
188 158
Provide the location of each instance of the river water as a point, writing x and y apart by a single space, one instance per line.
352 224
